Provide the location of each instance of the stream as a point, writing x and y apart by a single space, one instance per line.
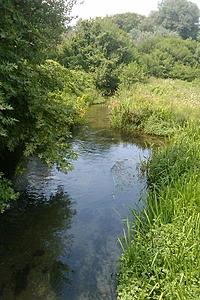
61 241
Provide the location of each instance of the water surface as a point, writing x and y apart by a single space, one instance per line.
60 243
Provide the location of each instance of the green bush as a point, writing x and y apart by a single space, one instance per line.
6 193
132 73
64 96
166 57
185 72
100 47
107 79
35 101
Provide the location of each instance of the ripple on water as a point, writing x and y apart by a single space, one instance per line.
61 240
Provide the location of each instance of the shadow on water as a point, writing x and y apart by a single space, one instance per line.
33 238
60 241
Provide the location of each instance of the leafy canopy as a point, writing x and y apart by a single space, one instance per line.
40 100
99 46
181 16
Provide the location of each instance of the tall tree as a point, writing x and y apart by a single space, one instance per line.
127 21
99 46
181 16
30 28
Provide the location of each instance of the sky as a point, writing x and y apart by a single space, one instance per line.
100 8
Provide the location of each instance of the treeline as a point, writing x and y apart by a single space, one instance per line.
50 72
130 47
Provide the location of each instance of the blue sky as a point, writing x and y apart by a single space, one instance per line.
94 8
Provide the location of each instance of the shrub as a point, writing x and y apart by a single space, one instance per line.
132 73
100 47
166 57
185 72
6 193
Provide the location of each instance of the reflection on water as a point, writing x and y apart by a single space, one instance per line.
61 240
33 242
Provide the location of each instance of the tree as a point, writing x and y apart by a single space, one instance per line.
180 16
172 57
40 100
100 47
127 21
29 29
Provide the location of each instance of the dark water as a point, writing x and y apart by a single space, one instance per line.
61 241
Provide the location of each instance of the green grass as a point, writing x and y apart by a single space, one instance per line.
161 249
161 246
159 107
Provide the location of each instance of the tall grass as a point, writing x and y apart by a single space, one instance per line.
161 248
159 107
161 258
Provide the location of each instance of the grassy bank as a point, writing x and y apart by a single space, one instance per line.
158 107
161 257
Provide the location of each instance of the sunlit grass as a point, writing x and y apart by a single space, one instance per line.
161 251
159 107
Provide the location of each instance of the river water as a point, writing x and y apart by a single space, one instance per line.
60 242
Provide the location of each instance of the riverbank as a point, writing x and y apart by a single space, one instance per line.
161 258
159 107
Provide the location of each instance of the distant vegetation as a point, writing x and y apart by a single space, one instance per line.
172 57
163 45
101 48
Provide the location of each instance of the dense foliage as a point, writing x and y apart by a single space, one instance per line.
172 57
181 16
40 100
30 29
175 16
98 46
105 46
127 21
141 36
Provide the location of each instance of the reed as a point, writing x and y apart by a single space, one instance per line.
161 249
159 107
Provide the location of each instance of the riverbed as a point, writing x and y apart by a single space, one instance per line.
61 241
